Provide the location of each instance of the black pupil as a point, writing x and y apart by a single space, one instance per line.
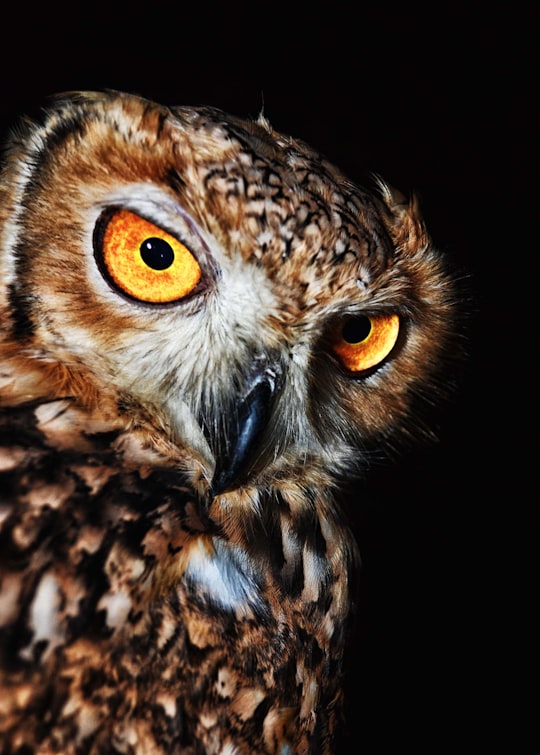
157 253
356 329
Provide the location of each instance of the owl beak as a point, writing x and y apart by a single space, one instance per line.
246 430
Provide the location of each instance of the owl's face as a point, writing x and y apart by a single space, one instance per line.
226 277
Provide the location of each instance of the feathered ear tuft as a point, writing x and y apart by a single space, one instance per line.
403 220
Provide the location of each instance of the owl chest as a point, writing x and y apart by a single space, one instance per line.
137 624
259 652
234 650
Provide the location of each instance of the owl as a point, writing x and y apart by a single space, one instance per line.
206 332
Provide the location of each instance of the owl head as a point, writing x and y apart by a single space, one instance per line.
224 280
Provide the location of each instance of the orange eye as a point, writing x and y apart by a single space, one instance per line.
362 342
143 261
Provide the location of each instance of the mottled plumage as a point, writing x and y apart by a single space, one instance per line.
204 329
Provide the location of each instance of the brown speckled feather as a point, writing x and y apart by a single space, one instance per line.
176 575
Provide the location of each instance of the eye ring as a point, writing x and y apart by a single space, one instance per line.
362 342
143 261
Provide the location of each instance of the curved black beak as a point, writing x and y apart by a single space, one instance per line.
245 430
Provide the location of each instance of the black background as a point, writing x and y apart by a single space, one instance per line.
440 100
